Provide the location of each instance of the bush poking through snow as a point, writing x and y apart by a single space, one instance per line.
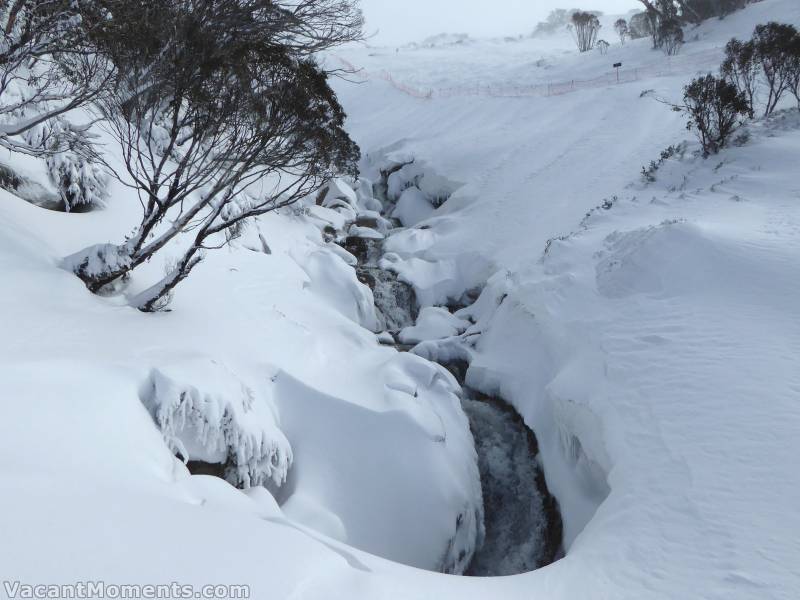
715 108
206 414
649 172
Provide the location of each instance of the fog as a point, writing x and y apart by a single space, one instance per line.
396 22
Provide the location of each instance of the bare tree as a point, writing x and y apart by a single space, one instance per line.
35 36
603 46
585 27
220 115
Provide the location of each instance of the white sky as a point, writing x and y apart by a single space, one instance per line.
402 21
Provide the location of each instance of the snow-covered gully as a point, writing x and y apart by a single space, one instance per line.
522 522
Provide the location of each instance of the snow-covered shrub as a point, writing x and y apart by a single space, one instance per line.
81 182
207 414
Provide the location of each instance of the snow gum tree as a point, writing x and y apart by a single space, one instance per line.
585 27
622 29
742 69
775 49
670 37
692 11
221 114
35 38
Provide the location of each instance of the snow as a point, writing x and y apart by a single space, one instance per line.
433 323
652 345
412 207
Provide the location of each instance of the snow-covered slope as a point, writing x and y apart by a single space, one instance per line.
653 347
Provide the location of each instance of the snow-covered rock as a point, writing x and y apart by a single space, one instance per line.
412 207
433 323
332 278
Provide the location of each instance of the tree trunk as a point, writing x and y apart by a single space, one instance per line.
156 297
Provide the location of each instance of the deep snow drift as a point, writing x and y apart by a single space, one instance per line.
653 348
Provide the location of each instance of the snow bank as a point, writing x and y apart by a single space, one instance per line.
400 479
433 323
654 352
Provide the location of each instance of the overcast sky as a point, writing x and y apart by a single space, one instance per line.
401 21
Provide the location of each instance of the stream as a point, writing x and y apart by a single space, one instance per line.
522 519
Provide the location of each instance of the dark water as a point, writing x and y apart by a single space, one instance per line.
523 527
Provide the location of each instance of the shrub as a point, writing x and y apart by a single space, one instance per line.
649 172
715 108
